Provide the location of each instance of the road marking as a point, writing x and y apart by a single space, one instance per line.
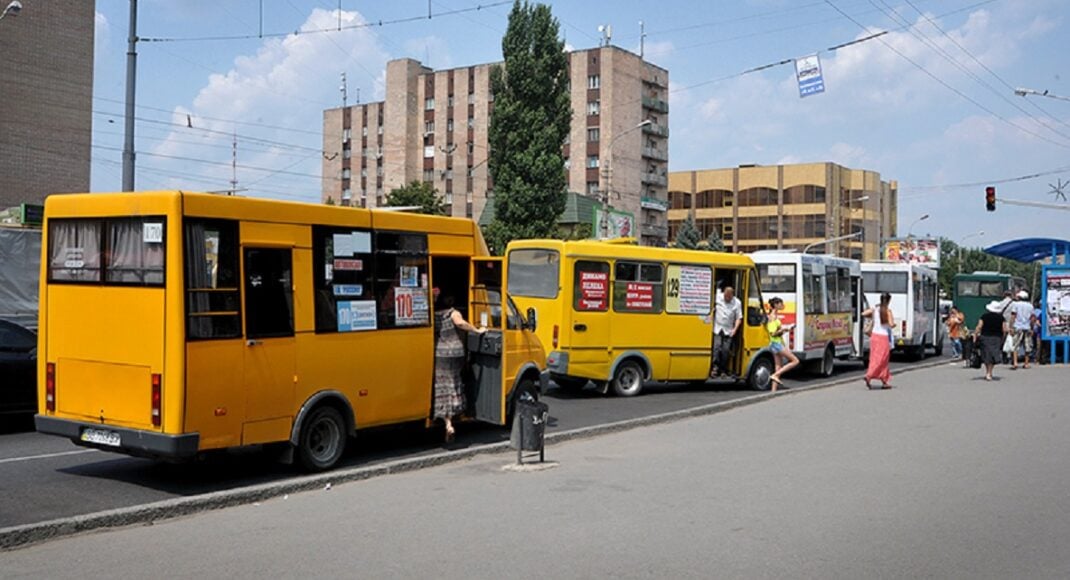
46 455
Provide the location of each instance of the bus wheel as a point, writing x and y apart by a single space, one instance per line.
323 439
760 375
525 391
938 348
827 362
628 379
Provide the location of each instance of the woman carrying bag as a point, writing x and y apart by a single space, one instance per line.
880 342
990 335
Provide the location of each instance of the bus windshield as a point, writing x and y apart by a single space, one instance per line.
534 273
890 282
777 277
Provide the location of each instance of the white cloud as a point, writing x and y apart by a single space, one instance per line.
101 34
286 83
712 109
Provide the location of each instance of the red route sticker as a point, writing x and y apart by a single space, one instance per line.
594 290
639 296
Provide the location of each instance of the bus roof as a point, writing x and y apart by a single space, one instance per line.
895 267
774 257
612 249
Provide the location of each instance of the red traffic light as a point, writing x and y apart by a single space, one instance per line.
990 198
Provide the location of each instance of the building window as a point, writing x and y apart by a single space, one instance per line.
592 162
449 101
379 171
429 104
804 194
594 108
363 172
429 151
380 129
347 193
364 131
448 174
346 174
592 187
568 164
593 134
449 125
679 200
471 148
347 153
594 81
756 196
347 134
429 127
471 122
429 175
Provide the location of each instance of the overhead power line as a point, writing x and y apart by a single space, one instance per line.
366 24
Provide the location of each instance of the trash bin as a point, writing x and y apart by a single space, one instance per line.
529 428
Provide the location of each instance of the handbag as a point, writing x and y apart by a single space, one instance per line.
867 326
1008 344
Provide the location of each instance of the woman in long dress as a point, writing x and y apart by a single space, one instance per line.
880 343
990 334
449 361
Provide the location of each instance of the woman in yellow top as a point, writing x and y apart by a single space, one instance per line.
777 329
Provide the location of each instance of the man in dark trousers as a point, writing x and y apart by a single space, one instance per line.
727 318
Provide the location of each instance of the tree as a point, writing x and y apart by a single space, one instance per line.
714 242
688 236
529 122
330 200
419 194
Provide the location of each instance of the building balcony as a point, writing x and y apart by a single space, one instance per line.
654 230
655 179
657 81
656 104
655 129
655 153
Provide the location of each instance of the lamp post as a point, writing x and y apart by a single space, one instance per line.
607 175
915 222
964 238
836 239
850 220
1021 92
13 9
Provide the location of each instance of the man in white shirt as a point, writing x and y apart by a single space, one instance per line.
1022 327
727 318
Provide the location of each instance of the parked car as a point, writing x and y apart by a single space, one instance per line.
18 369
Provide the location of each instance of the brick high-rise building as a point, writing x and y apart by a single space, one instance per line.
432 126
46 97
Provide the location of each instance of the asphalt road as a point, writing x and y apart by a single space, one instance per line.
44 478
947 476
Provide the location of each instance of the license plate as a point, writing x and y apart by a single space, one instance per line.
101 437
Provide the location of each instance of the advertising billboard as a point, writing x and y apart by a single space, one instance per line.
1056 304
913 250
621 224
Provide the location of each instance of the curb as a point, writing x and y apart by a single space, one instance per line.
29 534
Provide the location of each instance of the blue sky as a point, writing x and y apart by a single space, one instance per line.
929 104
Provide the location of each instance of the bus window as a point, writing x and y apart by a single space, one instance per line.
755 312
839 289
114 251
993 289
637 287
812 292
777 277
928 289
401 287
534 273
213 304
880 282
969 288
342 261
590 290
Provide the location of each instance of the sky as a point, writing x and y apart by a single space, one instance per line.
930 104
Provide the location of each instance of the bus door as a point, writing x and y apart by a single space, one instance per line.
724 278
588 332
754 334
270 353
857 306
487 384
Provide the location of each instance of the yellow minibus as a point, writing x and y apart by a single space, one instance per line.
176 323
619 314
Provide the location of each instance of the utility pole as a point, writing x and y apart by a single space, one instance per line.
234 164
131 82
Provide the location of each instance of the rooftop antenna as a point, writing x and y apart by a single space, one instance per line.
642 38
234 164
607 33
344 90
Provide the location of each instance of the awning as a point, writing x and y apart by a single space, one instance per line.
1030 250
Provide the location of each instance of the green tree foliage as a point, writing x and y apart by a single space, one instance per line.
419 194
714 242
688 236
530 120
976 260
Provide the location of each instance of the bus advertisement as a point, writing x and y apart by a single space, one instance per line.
821 298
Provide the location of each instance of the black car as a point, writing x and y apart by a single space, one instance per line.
18 369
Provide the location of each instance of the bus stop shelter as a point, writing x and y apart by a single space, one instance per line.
1054 288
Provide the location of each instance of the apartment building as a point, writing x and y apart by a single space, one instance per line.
754 207
46 100
433 125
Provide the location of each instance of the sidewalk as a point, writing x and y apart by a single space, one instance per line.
945 476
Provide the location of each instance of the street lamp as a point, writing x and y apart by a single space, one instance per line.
964 238
607 174
1021 92
13 9
836 239
911 228
850 219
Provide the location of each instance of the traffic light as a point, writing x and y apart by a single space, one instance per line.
990 198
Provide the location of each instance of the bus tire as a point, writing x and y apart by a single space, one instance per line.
526 390
760 372
938 348
323 439
628 379
828 362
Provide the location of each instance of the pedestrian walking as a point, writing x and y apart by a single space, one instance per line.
954 332
777 329
727 318
449 361
880 343
1022 316
989 335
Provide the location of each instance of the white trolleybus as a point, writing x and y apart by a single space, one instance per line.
821 295
915 300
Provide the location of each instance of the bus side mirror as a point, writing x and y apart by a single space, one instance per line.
532 323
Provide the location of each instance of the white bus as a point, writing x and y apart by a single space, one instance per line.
915 296
821 295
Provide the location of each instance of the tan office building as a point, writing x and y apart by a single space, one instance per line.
788 206
46 99
433 126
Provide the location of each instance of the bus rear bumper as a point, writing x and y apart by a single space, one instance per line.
134 442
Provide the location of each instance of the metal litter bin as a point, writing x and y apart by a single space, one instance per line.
529 428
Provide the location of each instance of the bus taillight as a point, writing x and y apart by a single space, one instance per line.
50 387
155 399
556 331
904 326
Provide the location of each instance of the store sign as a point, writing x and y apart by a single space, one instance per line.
808 74
654 204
